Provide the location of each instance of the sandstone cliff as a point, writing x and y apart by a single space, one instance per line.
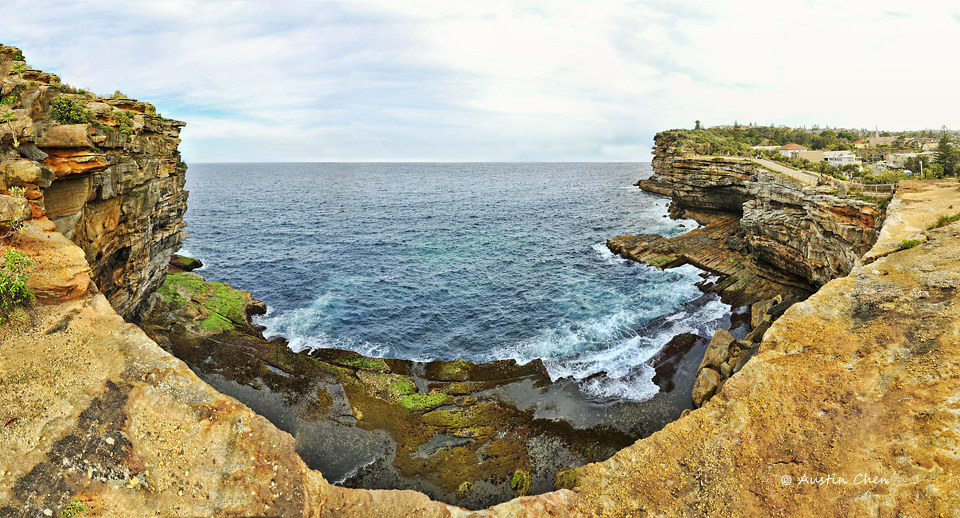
108 174
849 407
784 232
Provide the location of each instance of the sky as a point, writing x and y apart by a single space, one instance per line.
490 80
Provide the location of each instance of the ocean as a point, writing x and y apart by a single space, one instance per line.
476 261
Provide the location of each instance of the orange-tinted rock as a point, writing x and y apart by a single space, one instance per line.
65 162
61 272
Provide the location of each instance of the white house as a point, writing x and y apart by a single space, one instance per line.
840 158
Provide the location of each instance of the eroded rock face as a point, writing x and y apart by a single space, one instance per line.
114 186
787 228
858 382
815 236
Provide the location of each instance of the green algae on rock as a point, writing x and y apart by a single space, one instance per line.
432 427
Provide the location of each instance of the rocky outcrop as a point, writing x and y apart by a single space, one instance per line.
815 236
848 409
720 247
786 233
113 184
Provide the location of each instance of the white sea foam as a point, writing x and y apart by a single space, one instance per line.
606 255
609 356
302 328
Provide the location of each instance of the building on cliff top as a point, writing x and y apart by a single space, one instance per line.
792 150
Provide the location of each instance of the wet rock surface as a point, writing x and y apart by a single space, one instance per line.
455 430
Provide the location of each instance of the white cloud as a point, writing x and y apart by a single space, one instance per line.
494 80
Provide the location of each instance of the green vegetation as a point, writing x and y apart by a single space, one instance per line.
226 305
945 220
76 507
117 94
948 156
520 483
14 292
189 263
881 203
455 370
10 99
738 141
67 110
8 118
18 68
423 402
910 243
124 120
356 361
17 224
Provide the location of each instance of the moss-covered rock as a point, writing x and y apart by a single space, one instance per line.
520 482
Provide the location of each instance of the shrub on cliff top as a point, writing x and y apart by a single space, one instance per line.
124 120
14 292
67 110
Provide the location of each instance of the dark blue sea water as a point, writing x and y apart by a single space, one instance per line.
479 261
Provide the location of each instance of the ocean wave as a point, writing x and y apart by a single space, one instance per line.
609 356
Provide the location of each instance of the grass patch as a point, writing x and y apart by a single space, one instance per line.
910 243
945 220
76 507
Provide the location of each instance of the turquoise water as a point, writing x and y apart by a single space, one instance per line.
479 261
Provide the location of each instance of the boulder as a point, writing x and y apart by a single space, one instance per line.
706 386
756 336
31 152
745 358
20 173
719 349
758 310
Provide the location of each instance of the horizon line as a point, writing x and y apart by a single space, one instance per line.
422 162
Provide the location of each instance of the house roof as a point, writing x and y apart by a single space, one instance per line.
793 146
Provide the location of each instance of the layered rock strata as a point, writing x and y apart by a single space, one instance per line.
784 233
112 183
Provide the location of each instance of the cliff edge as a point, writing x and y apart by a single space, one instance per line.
105 170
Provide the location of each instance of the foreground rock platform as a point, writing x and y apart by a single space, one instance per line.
917 206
